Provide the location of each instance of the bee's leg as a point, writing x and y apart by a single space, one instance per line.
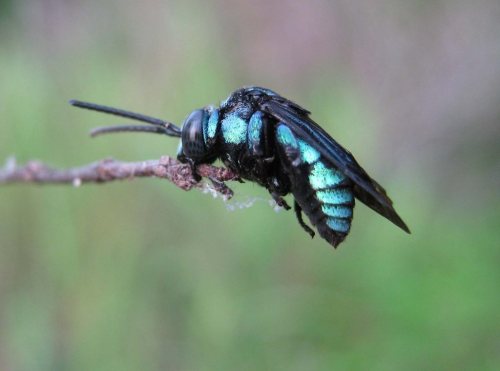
280 201
197 177
186 160
279 186
298 213
221 187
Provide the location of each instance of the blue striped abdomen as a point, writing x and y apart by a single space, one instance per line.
330 196
324 193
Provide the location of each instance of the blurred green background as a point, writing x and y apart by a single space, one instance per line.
142 276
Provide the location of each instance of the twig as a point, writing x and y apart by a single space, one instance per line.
109 170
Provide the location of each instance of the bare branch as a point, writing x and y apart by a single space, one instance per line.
109 170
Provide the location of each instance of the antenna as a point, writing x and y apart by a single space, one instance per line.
162 127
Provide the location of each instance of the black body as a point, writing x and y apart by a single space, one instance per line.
272 141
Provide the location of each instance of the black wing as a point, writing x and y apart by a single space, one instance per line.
297 118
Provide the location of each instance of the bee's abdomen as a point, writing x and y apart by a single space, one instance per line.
324 194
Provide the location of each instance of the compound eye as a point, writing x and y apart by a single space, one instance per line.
193 144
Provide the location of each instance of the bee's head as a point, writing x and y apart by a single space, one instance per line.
198 134
192 139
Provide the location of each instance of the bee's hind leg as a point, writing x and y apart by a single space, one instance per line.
298 213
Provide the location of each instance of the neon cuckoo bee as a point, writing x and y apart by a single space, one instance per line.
268 139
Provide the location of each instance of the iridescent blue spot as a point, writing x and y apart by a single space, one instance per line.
307 153
285 136
340 225
211 126
337 211
323 177
255 130
234 129
335 196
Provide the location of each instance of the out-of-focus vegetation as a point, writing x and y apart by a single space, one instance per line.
139 275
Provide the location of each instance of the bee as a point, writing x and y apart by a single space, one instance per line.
272 141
